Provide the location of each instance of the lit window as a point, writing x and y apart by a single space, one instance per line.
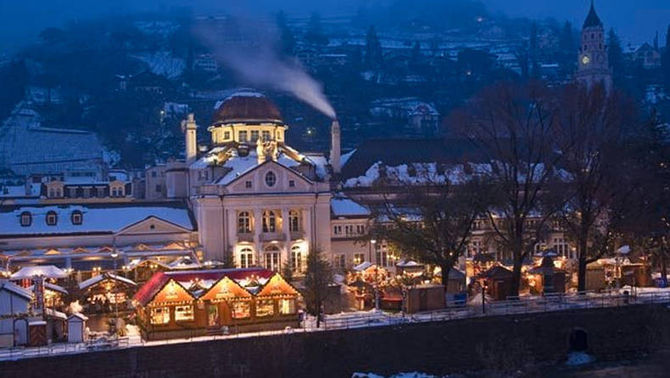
272 258
183 313
265 308
76 217
52 218
160 315
26 219
246 258
294 220
296 258
287 306
243 222
241 310
358 258
270 179
269 221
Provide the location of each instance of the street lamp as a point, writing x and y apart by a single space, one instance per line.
114 255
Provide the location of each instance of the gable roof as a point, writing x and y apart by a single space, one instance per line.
342 206
156 283
396 151
97 218
16 289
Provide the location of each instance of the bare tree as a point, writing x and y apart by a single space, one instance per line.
430 219
512 126
589 134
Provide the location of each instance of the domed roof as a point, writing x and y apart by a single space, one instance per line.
246 106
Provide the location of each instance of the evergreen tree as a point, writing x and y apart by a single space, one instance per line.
568 54
318 277
373 49
286 37
666 61
615 56
315 33
533 52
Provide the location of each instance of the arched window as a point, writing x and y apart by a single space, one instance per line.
26 218
294 220
52 218
272 258
296 258
76 217
243 222
246 258
270 179
269 221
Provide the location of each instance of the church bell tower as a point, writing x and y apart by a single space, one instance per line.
593 64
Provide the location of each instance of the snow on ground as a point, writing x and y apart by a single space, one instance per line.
163 63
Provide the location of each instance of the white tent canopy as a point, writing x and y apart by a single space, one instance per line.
48 271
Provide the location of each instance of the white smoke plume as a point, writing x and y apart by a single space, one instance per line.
257 62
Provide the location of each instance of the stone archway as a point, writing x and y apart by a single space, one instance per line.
579 340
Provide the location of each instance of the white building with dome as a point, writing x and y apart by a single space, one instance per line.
254 197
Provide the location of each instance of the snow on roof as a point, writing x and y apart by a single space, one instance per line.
29 148
78 315
16 289
50 286
343 206
96 218
345 158
101 277
54 313
419 174
362 266
48 271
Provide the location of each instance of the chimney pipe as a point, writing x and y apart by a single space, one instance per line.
335 147
189 127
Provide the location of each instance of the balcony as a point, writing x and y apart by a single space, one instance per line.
272 236
295 235
245 237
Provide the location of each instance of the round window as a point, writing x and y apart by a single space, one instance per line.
270 179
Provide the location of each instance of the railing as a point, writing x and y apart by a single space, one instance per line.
512 306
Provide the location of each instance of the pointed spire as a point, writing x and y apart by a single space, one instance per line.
592 19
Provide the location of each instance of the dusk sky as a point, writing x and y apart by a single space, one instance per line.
635 21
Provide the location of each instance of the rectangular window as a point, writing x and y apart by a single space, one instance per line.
160 315
158 188
153 173
337 230
242 136
246 259
226 135
265 308
247 184
341 261
266 135
254 135
241 310
183 313
359 258
291 183
287 306
360 229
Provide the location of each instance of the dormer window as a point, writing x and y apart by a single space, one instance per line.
26 219
76 217
52 218
247 184
270 179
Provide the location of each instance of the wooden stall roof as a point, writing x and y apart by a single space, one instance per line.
206 279
277 285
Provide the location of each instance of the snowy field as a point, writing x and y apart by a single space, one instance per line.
376 318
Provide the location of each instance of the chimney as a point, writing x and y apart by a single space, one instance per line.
189 127
335 147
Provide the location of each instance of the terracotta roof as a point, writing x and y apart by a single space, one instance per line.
247 106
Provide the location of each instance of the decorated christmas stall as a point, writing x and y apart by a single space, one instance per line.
194 303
